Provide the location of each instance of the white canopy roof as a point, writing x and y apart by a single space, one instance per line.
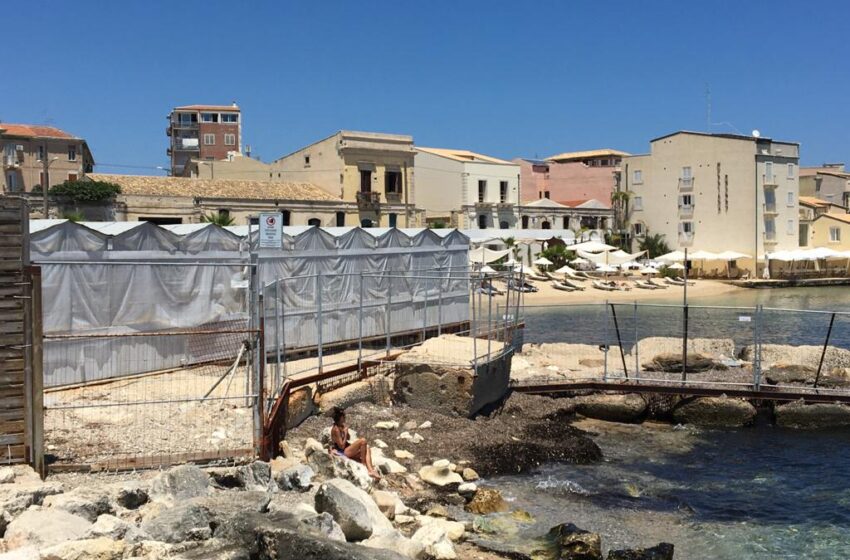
485 255
672 256
543 261
591 247
611 257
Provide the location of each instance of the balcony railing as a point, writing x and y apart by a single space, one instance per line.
393 197
369 199
769 181
770 236
686 183
770 208
686 210
183 124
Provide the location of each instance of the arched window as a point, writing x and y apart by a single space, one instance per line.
546 225
525 222
366 222
393 220
482 222
340 219
566 222
504 225
314 222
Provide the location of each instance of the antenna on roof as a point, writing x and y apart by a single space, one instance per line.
756 133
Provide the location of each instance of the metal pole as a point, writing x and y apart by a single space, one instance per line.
259 382
757 356
36 370
440 308
319 319
425 309
825 345
278 327
637 345
360 327
605 346
389 313
489 317
685 342
619 340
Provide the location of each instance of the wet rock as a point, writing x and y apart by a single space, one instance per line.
42 527
662 551
102 548
469 474
131 495
812 416
184 522
672 363
352 508
486 500
298 477
89 503
435 540
629 408
568 542
439 473
719 412
178 484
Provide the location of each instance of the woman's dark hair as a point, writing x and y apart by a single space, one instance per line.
337 414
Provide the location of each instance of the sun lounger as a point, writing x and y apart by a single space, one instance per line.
566 282
644 286
584 275
600 285
536 277
651 283
562 287
575 276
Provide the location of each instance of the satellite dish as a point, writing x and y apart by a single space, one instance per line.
756 133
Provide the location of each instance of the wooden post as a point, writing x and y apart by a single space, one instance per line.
36 411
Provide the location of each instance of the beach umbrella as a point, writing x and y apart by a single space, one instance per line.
525 270
673 256
565 270
676 266
605 268
579 260
543 261
648 270
591 247
732 256
486 269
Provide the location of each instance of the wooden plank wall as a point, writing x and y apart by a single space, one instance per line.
14 346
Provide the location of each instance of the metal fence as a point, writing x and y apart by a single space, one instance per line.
155 381
752 347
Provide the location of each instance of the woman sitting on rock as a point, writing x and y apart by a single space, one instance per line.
357 450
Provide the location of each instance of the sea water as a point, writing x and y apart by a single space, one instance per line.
761 492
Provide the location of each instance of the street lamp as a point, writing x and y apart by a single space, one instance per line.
46 166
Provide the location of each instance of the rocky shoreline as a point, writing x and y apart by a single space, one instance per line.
308 504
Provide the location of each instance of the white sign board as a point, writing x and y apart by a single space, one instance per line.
271 230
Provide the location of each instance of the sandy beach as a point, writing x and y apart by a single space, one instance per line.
549 295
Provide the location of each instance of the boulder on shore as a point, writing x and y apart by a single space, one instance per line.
440 474
42 527
661 551
812 416
672 363
352 508
566 541
486 500
715 412
178 484
628 408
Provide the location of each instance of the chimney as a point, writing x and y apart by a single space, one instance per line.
234 105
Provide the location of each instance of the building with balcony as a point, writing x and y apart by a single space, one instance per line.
587 175
829 182
459 188
372 170
715 192
833 231
41 155
203 132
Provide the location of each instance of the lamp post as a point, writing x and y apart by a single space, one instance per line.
45 163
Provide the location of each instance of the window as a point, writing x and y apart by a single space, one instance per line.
72 153
504 225
503 191
482 221
230 117
285 216
10 182
525 222
224 213
565 224
40 153
209 139
790 170
834 234
545 194
790 228
365 223
686 201
687 227
340 219
365 180
482 191
686 173
770 229
72 176
306 161
393 219
314 222
229 139
209 117
187 119
545 225
392 182
637 177
789 199
768 171
638 228
637 203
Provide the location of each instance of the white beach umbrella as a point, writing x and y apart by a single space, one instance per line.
525 270
732 256
591 247
605 268
579 260
486 269
565 270
543 261
673 256
703 255
676 266
648 270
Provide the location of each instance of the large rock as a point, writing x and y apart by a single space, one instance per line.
713 347
102 548
454 529
719 412
440 473
26 492
389 503
812 416
184 522
662 551
772 354
255 476
571 543
7 475
672 363
131 495
396 541
297 477
42 527
435 540
331 465
627 408
87 502
385 464
109 526
486 500
352 508
796 374
178 484
324 524
222 507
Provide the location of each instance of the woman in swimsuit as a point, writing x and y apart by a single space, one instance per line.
357 450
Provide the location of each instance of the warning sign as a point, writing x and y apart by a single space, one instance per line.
271 230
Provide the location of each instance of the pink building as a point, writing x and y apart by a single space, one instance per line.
571 176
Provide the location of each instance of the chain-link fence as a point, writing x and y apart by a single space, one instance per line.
712 346
154 364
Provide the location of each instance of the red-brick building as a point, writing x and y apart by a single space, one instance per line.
203 132
570 176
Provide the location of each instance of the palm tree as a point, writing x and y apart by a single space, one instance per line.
510 243
218 218
654 245
620 204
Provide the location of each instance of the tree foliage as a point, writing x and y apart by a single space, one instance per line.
557 254
85 191
654 245
217 218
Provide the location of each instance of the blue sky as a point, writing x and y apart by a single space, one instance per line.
504 78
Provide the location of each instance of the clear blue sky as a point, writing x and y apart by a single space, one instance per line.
506 78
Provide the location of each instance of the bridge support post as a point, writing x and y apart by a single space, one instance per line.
825 346
685 341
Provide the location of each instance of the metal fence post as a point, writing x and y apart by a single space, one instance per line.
360 327
473 327
425 309
259 380
685 341
637 344
277 335
757 349
388 320
319 318
823 352
605 345
440 307
489 316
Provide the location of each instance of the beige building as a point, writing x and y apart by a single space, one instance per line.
234 167
715 192
829 182
38 155
176 200
374 171
824 224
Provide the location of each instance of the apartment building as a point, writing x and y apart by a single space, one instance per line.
203 132
829 182
460 188
41 155
570 176
823 224
715 192
372 170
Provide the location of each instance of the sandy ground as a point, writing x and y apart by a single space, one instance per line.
548 294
